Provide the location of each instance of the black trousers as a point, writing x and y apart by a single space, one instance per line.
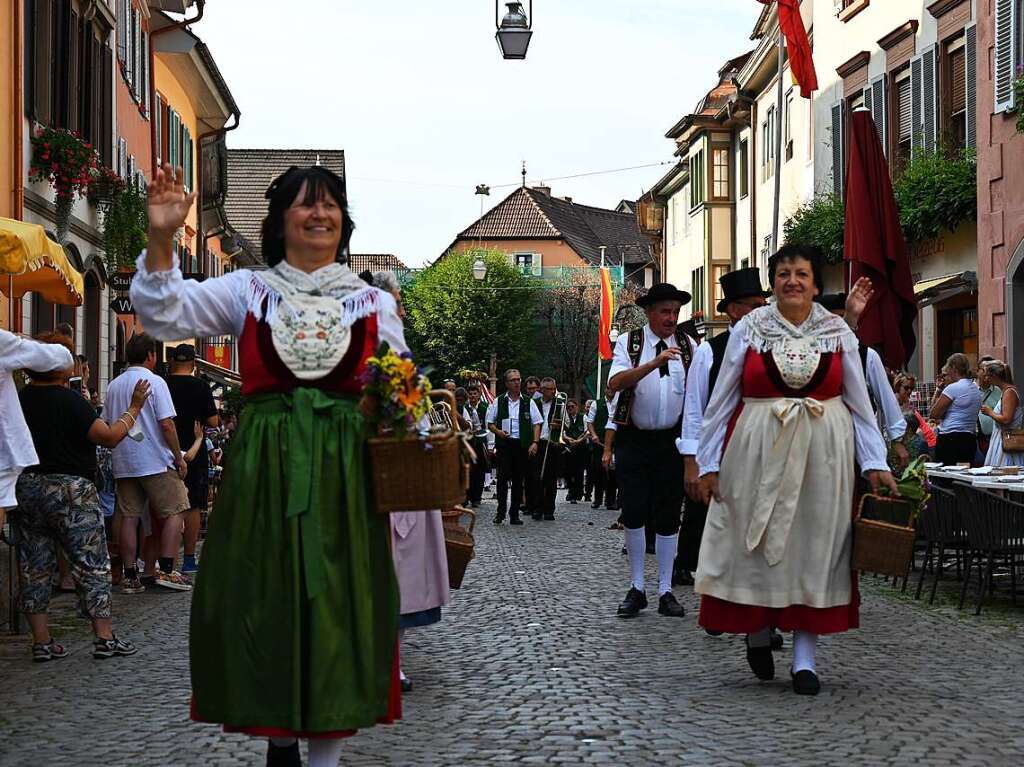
513 469
575 463
478 470
650 475
695 515
605 484
545 477
956 447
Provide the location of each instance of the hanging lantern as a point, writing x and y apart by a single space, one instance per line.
514 31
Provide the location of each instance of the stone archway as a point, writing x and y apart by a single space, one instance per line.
1014 317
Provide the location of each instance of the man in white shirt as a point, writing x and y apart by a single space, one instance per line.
742 293
515 422
649 373
546 462
599 421
148 468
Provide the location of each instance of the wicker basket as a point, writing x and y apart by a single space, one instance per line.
458 543
882 547
407 476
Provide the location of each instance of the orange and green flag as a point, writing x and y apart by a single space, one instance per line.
604 344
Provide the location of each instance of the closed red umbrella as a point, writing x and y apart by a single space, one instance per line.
875 248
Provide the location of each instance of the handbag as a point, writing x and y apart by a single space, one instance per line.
1013 440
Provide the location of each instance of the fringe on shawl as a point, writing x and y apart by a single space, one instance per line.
834 336
263 302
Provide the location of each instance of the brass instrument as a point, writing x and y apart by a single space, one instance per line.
557 414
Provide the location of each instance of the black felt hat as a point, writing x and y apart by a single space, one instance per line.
834 302
663 291
743 283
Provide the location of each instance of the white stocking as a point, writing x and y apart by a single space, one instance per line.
804 646
636 548
325 752
665 549
401 636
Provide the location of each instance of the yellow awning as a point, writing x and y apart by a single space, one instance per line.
925 285
34 263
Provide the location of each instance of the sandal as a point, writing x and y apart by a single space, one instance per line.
45 651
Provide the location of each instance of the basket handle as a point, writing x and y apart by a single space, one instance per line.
461 511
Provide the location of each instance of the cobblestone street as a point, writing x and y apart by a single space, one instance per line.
530 665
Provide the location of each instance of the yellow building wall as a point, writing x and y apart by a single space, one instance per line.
9 112
552 252
173 94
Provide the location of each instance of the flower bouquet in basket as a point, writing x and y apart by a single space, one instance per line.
416 461
885 528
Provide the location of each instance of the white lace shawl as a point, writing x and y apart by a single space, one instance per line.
768 330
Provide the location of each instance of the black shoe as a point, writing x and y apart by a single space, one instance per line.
669 605
634 602
612 507
595 505
500 517
776 640
761 661
586 498
515 520
573 501
283 756
805 682
682 578
406 685
537 516
549 517
713 633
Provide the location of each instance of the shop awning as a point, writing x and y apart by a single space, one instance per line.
933 291
33 263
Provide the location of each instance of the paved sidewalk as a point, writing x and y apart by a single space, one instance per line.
530 665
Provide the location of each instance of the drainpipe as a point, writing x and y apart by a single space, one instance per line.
751 164
203 237
18 114
200 7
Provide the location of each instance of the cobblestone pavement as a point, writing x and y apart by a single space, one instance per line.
530 665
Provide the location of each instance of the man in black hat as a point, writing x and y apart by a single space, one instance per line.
194 405
742 293
649 373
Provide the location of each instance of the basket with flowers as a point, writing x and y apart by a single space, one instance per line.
416 457
886 526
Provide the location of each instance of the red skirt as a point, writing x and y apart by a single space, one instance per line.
733 618
394 713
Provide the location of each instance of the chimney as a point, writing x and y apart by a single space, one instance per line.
543 189
567 199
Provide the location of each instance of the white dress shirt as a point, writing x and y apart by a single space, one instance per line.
893 422
545 410
697 392
870 448
513 415
16 448
658 400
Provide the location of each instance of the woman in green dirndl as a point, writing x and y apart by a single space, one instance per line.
295 610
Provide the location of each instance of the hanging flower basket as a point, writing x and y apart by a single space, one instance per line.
65 161
104 185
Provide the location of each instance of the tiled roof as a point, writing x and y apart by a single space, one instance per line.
250 172
375 262
532 214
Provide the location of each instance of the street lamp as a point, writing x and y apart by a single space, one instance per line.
479 270
514 31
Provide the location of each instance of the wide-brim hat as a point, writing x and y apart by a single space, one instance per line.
742 283
663 291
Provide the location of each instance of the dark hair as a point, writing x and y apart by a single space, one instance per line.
320 183
810 253
532 379
139 346
461 392
51 337
82 358
65 329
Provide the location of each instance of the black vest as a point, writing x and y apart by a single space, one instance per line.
717 344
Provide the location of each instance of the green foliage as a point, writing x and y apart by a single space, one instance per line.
936 191
455 321
1018 99
232 401
124 227
820 222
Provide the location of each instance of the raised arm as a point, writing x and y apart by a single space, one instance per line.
17 353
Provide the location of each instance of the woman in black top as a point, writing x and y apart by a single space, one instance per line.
58 506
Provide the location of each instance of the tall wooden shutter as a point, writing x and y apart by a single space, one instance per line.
75 72
42 63
880 109
157 129
838 155
1005 53
916 104
122 30
929 96
105 132
971 80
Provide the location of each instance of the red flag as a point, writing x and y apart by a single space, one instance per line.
875 248
604 326
800 62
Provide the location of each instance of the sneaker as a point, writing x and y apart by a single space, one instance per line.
48 651
189 565
173 580
108 648
132 586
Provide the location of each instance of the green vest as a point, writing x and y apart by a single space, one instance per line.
525 420
575 428
481 411
601 418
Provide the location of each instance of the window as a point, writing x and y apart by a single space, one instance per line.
720 173
528 263
787 139
1008 53
524 261
698 179
768 128
697 278
741 170
717 294
955 103
674 215
686 209
902 110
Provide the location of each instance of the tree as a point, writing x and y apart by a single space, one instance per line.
456 321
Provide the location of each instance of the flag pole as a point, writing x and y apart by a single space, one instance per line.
778 144
599 331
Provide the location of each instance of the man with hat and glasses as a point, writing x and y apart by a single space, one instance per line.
742 293
649 373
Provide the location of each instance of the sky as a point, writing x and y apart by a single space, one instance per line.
418 96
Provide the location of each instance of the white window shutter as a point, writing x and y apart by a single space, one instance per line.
880 110
916 102
1005 55
537 265
971 79
929 76
838 157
